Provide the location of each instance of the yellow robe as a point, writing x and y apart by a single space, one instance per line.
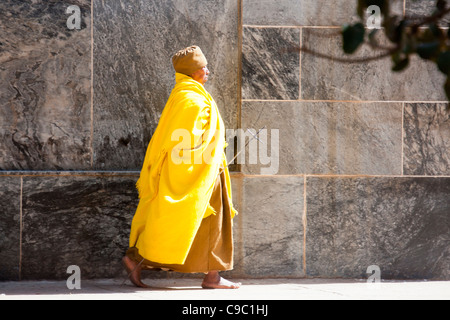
181 166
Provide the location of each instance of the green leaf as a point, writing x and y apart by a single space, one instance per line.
428 51
394 28
443 62
441 5
401 65
399 31
427 35
353 37
409 44
436 31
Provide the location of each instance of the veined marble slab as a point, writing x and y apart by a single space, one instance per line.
269 70
305 12
9 228
83 221
401 225
423 8
427 139
268 238
324 79
134 42
45 92
329 137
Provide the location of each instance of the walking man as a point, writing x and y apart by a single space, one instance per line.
184 219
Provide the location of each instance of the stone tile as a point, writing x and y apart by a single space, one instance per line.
427 139
82 221
304 13
329 137
269 239
266 12
423 8
131 92
9 228
45 94
400 224
373 81
236 190
267 72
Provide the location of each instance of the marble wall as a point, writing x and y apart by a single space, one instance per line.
77 111
364 165
45 92
133 75
364 157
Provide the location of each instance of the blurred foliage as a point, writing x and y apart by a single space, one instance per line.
428 36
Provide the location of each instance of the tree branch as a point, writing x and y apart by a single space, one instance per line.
430 19
343 60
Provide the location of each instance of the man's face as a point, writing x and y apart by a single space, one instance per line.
201 75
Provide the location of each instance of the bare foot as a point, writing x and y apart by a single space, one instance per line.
134 272
214 281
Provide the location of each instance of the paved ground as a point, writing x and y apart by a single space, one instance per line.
267 289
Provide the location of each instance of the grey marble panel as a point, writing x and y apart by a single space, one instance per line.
427 139
329 137
269 228
133 45
9 228
324 79
400 224
45 93
82 221
267 71
422 8
305 12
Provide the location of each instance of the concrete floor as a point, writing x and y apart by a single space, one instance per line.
266 289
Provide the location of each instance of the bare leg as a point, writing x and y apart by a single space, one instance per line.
134 272
214 281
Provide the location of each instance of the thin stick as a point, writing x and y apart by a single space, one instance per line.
255 136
